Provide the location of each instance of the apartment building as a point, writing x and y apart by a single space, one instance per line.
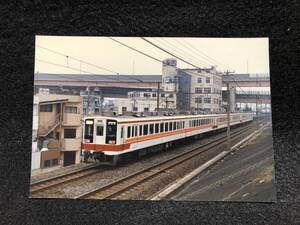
196 89
59 129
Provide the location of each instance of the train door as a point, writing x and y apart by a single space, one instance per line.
89 131
111 132
100 131
122 135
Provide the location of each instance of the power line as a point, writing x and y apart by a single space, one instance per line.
150 42
190 53
194 51
179 50
76 69
205 54
79 60
136 50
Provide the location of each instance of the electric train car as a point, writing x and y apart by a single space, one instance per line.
107 139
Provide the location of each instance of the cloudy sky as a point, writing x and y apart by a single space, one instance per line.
239 54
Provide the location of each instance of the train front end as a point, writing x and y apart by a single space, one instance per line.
99 139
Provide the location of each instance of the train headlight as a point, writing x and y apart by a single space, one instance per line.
92 151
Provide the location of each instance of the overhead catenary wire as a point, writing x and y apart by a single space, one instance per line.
170 53
80 70
180 51
184 44
77 59
202 53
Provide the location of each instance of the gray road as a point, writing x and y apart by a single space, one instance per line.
245 175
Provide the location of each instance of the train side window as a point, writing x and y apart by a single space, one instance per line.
122 131
99 130
171 126
135 131
145 129
132 131
166 127
151 130
174 125
141 130
162 127
156 128
128 131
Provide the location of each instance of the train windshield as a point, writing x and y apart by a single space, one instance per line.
89 131
111 132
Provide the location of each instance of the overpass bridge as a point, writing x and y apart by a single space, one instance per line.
246 80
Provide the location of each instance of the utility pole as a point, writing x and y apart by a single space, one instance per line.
88 102
256 103
228 113
228 118
157 97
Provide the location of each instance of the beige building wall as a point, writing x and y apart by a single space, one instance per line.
62 126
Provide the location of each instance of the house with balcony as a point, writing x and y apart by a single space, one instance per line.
59 129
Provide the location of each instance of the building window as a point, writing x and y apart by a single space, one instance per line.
135 109
124 109
146 95
54 162
199 80
154 95
207 90
198 100
146 109
71 109
198 90
207 100
171 95
47 163
70 133
46 108
162 95
99 131
207 80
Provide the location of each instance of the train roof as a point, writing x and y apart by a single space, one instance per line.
155 118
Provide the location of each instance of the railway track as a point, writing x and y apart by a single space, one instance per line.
45 184
123 187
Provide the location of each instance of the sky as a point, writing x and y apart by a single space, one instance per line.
241 55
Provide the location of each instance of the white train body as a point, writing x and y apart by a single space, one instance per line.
113 136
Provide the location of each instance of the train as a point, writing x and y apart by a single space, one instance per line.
109 139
